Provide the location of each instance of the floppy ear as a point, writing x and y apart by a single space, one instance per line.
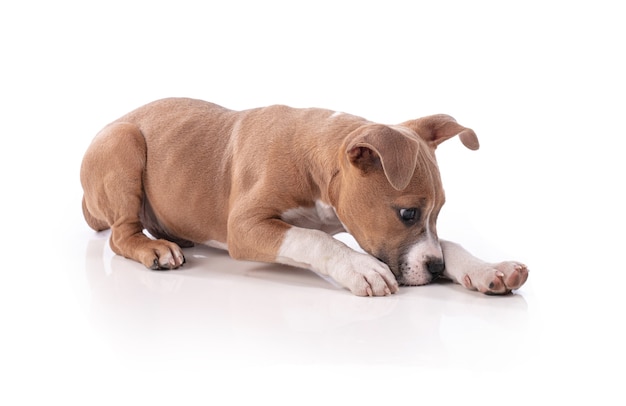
379 145
438 128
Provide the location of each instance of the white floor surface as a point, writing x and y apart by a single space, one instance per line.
83 324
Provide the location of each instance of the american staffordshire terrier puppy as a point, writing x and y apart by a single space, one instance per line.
274 184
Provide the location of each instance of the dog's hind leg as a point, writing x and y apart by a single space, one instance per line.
112 178
95 223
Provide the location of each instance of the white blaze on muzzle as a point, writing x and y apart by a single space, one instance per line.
414 268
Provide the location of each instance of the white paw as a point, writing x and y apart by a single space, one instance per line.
496 279
364 275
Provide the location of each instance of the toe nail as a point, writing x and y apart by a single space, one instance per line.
467 281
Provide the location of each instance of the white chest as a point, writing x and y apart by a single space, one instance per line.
320 217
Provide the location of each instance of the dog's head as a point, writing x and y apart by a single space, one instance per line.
388 193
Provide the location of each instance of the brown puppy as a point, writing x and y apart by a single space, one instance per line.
272 184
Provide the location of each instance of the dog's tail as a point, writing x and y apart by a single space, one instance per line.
96 224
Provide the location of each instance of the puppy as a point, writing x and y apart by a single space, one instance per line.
274 184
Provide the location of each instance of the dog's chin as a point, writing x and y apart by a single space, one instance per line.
414 279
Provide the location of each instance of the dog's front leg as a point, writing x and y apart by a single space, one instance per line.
475 274
276 241
363 274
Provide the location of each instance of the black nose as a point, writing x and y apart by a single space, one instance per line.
435 266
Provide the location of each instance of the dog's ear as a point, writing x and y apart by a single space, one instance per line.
378 145
438 128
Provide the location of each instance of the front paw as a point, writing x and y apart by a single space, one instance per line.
496 279
364 275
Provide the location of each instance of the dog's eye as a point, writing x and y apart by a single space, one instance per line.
410 216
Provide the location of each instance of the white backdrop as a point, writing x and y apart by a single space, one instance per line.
541 82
